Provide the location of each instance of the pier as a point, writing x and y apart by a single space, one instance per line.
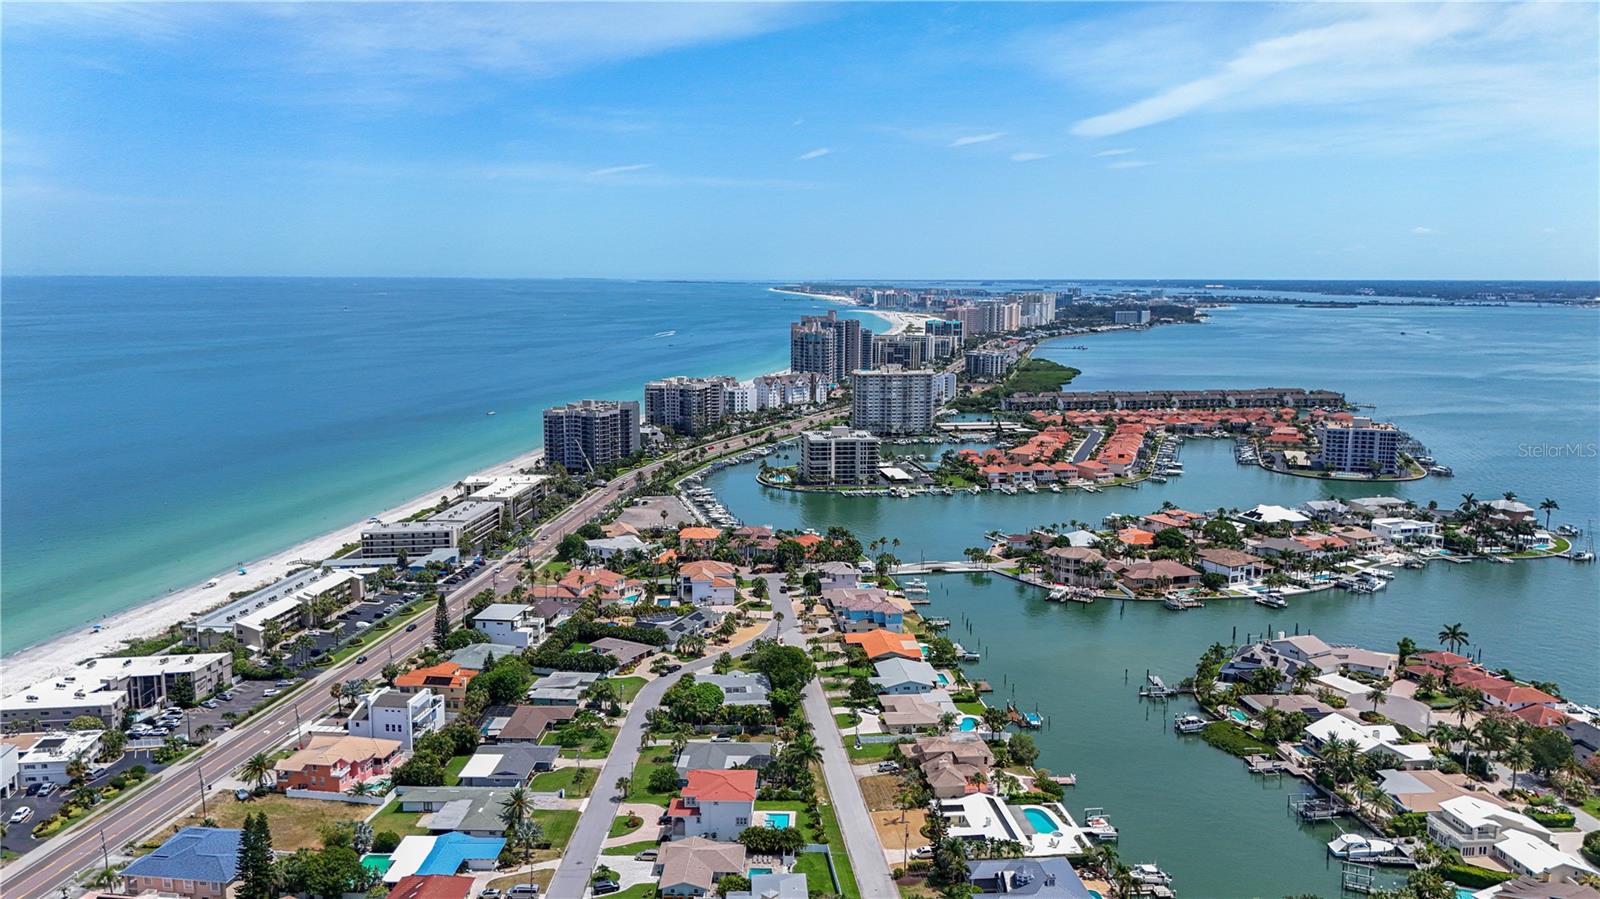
1156 688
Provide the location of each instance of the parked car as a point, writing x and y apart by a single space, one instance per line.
605 887
284 683
648 855
226 696
888 766
210 703
490 893
270 692
22 814
47 788
522 890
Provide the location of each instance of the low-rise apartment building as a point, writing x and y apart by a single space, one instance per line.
392 714
284 606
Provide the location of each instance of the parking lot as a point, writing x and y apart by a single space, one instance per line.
19 837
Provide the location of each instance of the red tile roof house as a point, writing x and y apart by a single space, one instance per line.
1152 574
1542 716
697 542
432 886
717 805
1517 697
708 583
334 764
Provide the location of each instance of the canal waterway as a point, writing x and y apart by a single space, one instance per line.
1508 397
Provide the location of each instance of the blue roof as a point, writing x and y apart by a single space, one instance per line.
209 854
450 850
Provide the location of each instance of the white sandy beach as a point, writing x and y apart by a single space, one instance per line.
40 661
898 321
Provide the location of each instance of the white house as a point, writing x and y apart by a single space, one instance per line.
1405 531
1269 514
903 676
1472 826
717 805
606 547
708 583
510 624
1523 853
388 714
46 758
1377 740
838 576
1238 567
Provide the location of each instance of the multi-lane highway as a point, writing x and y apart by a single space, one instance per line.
177 789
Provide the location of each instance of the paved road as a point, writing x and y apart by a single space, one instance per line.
860 838
175 790
594 825
1091 439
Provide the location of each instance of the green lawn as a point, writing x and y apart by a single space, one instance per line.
637 891
452 769
1592 806
802 821
629 849
649 760
841 858
590 749
627 687
562 779
402 823
557 825
814 865
869 752
971 708
846 720
620 826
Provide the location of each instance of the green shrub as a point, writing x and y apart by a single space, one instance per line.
1553 818
1472 876
1232 739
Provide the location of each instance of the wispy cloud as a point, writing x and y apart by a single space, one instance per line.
1117 152
1028 157
1391 77
971 139
818 153
1128 164
1421 231
621 169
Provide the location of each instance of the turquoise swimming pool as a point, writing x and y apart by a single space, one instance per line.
969 723
779 820
1238 716
944 680
1041 820
755 871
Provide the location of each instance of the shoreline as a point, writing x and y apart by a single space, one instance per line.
41 660
899 322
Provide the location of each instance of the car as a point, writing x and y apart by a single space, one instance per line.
241 795
490 893
98 771
674 667
605 887
523 889
270 692
22 814
362 624
361 660
722 738
210 703
888 766
284 683
47 789
648 855
924 852
226 697
410 628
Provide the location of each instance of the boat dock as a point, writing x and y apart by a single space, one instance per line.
1156 688
1029 720
1314 807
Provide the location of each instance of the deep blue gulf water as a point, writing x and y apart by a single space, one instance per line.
157 430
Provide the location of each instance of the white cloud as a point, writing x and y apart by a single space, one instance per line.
1385 76
1420 231
971 139
621 169
1117 152
814 154
1128 164
1028 157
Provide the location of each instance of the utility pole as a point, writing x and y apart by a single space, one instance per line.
204 812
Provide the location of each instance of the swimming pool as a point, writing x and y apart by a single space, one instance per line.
779 820
969 723
1238 716
943 679
755 871
1041 820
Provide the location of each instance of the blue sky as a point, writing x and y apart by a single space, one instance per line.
789 141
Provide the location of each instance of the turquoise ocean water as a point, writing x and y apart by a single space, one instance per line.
158 430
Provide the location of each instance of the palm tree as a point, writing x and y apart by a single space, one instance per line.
515 808
1469 504
1378 693
257 768
624 786
1454 637
805 749
361 788
1547 506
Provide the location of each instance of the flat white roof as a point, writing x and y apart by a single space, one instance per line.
84 685
408 857
508 486
481 765
273 599
1535 854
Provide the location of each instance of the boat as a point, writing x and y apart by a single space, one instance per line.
490 412
211 583
1188 724
1569 530
1355 847
1272 601
1583 556
1441 471
1097 824
915 585
1174 603
1149 875
1055 488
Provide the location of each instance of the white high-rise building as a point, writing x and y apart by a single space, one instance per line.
838 456
897 401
